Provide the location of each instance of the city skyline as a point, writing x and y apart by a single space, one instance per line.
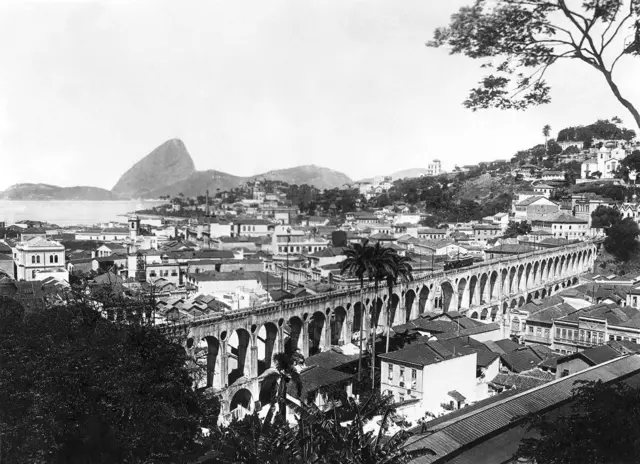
254 86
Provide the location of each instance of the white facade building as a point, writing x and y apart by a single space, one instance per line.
39 254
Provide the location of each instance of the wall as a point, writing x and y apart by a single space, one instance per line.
453 374
573 366
492 336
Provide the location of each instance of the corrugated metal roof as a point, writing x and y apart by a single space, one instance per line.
447 437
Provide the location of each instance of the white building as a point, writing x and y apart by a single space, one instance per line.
39 254
286 240
606 161
430 373
434 168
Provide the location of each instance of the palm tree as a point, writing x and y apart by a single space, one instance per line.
383 263
546 131
402 271
359 262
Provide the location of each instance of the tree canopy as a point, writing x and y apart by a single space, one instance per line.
518 40
605 217
515 229
79 388
622 239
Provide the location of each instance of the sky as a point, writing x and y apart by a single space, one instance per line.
87 88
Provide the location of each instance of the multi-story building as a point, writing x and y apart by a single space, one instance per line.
485 231
434 168
297 241
251 227
563 225
39 255
430 373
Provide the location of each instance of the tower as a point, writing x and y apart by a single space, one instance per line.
134 227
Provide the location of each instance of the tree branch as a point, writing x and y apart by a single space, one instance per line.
605 45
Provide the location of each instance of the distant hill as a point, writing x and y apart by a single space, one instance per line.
53 192
409 173
318 176
170 170
198 182
167 164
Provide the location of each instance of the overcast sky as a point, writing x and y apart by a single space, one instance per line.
87 88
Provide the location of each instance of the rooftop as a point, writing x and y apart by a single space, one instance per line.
469 430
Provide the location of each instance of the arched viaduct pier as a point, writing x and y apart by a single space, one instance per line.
239 344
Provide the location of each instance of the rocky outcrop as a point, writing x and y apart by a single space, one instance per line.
164 166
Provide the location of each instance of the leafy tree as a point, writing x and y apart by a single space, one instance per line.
605 216
622 239
80 388
599 429
523 38
514 229
553 148
631 163
546 132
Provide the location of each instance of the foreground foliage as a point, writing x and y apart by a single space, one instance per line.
519 40
319 437
77 388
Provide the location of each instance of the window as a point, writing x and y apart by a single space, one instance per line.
611 338
33 274
402 373
546 333
38 259
564 332
565 372
390 373
531 329
400 398
618 338
414 374
33 260
51 258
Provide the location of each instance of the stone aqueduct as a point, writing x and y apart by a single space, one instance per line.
237 346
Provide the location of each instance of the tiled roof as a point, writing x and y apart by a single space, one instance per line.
519 381
548 315
330 359
593 356
522 359
41 242
470 331
475 425
528 201
421 354
317 377
511 249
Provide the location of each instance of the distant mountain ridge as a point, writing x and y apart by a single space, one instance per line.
170 170
53 192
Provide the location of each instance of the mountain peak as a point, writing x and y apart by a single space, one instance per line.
168 163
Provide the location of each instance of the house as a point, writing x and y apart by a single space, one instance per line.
485 231
429 372
552 175
581 360
508 249
251 227
544 189
32 232
38 255
440 247
432 234
563 225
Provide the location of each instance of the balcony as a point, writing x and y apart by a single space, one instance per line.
578 342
